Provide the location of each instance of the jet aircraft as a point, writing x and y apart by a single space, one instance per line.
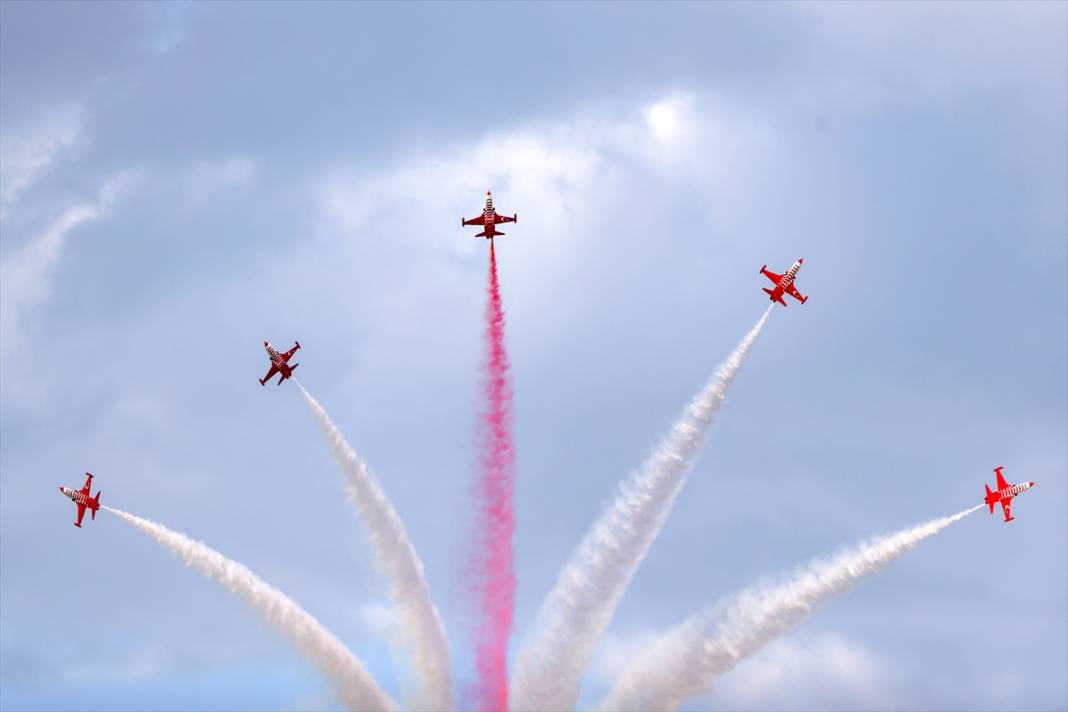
1004 493
82 499
489 219
784 283
279 362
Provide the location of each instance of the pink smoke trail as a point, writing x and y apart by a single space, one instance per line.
494 566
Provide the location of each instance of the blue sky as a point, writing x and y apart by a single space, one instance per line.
179 182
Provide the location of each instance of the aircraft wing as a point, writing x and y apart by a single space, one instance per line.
1006 504
1002 484
792 291
274 370
289 354
480 220
498 219
772 276
81 513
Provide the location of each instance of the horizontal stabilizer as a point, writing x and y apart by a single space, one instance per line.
481 234
778 299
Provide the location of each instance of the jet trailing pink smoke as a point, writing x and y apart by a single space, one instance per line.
355 687
686 660
492 559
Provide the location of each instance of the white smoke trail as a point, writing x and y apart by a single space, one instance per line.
355 687
418 621
686 660
576 612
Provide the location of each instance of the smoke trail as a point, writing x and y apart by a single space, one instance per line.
493 563
578 609
355 687
420 624
685 661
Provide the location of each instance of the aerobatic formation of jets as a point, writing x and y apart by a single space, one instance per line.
488 221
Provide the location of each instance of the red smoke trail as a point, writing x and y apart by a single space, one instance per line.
496 572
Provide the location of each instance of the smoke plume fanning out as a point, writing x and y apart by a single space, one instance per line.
579 608
686 660
355 687
419 624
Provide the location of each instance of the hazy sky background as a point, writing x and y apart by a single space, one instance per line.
180 182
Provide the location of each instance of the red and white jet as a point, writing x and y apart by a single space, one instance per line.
82 499
784 283
1004 493
489 219
279 362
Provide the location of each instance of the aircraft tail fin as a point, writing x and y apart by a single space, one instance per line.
989 499
287 374
778 299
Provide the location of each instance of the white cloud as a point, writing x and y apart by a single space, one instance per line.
669 120
561 177
378 618
205 178
809 672
140 664
25 274
941 49
27 152
615 653
798 672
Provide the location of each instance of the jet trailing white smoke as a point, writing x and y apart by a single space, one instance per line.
419 624
355 687
686 660
578 609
